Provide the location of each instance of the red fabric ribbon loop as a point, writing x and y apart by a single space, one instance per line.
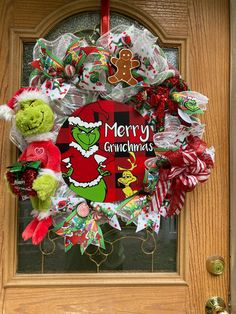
105 16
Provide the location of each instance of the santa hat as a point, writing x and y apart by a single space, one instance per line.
30 93
88 116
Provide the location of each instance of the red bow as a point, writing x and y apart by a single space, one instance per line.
187 167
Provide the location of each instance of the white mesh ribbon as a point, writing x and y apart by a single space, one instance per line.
153 69
69 61
57 47
73 100
175 134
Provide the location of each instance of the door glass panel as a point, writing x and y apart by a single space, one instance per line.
126 250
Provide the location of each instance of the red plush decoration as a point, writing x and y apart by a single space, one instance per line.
37 230
49 155
34 120
29 230
46 152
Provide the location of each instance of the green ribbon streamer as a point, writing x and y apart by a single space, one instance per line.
22 166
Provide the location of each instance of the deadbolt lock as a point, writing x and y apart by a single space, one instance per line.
215 265
216 305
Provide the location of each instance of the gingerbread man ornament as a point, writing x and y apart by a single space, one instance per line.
124 65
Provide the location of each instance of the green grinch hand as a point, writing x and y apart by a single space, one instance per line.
102 172
45 186
68 173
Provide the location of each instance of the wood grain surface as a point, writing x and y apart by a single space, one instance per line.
110 300
209 204
201 29
233 155
6 18
172 15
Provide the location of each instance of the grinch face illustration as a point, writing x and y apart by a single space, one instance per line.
83 163
86 137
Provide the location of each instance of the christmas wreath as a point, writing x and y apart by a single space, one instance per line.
108 132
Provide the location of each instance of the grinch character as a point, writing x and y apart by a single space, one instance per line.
83 164
34 120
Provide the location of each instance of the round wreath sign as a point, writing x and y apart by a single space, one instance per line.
107 132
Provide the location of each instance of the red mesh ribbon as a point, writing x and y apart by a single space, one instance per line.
105 16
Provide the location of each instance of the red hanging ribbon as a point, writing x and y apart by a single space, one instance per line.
105 16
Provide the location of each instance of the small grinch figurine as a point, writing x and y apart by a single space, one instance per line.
34 120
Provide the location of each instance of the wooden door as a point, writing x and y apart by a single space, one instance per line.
200 31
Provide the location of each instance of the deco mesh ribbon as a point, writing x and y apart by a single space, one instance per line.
73 73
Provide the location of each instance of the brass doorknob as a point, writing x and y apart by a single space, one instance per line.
215 265
216 305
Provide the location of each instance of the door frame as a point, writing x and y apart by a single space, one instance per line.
233 155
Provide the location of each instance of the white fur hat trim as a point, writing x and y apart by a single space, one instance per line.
6 112
78 121
32 95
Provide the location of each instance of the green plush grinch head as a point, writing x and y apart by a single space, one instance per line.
86 137
34 117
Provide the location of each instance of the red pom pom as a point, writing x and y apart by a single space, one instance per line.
48 84
126 40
